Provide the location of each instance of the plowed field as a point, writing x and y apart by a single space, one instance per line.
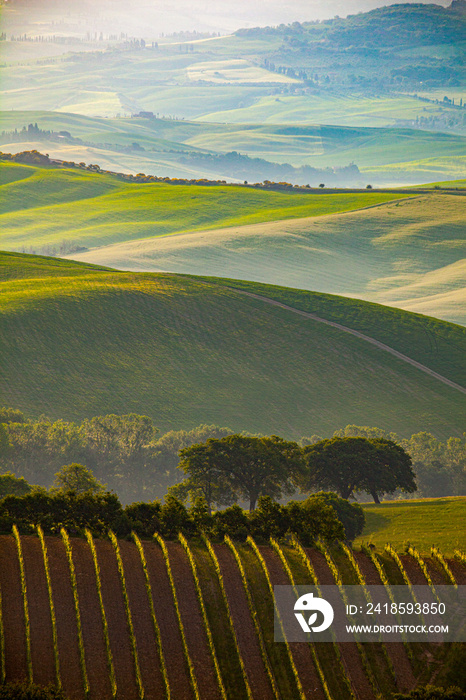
355 669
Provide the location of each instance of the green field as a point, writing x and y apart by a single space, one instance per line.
421 522
409 253
47 207
78 342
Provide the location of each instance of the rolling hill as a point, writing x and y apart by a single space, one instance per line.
294 149
408 253
43 206
79 341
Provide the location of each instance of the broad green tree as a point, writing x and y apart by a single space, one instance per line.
252 466
78 478
349 464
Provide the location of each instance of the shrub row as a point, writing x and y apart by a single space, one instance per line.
322 515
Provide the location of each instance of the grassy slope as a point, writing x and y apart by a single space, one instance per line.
47 207
423 522
85 341
407 254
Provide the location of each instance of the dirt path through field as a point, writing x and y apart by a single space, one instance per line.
43 661
193 623
172 645
302 655
149 660
405 678
91 618
349 650
244 626
12 609
67 630
351 331
114 605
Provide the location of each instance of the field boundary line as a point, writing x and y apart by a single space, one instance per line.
51 605
184 543
27 623
110 666
166 557
129 619
253 612
158 636
357 334
74 586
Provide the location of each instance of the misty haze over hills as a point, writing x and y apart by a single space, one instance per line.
152 18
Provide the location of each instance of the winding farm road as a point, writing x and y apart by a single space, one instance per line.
367 338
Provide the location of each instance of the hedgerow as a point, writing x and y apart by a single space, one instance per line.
309 519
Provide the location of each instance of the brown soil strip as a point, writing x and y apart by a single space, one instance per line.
458 570
244 627
13 611
437 574
146 641
302 655
348 650
114 605
67 630
405 679
43 660
172 645
413 570
91 618
193 623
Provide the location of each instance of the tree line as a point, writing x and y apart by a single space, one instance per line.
130 455
77 501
